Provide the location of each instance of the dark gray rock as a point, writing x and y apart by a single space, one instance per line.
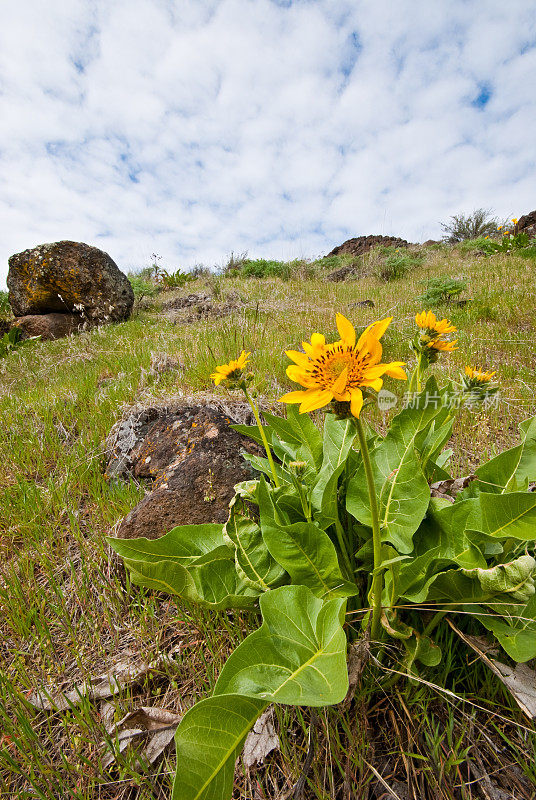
191 455
68 277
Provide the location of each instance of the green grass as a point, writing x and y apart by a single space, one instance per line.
67 612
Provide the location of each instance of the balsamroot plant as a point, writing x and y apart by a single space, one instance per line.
339 538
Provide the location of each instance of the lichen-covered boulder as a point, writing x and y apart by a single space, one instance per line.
66 277
191 455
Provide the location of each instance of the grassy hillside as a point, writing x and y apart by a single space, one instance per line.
68 613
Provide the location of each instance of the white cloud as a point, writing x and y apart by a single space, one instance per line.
196 127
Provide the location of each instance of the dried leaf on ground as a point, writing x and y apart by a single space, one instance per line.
156 726
519 680
449 489
124 672
261 740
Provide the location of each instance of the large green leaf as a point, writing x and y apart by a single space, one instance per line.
191 561
304 550
402 490
445 528
507 516
214 584
512 468
208 742
514 578
418 417
308 434
298 656
400 483
252 558
516 631
339 436
184 544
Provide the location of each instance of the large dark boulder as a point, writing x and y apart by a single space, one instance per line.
362 244
527 224
68 277
190 455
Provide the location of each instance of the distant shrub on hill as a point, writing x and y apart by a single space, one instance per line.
392 263
470 226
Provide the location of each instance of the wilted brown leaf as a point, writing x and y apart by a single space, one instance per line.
261 740
155 726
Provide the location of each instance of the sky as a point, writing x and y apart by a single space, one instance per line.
196 128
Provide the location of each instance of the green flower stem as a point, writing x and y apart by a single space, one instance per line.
344 550
415 382
263 435
377 580
306 507
434 622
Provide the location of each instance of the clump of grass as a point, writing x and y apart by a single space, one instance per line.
392 263
263 268
471 245
5 307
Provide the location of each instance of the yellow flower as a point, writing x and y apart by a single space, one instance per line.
435 331
428 321
505 233
339 371
479 375
499 228
231 371
515 220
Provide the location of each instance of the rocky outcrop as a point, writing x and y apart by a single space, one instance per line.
527 224
190 455
362 244
47 326
68 277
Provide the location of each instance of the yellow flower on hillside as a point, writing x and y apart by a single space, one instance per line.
477 385
338 372
473 373
515 220
428 321
231 372
433 339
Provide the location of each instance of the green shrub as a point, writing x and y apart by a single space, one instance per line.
471 245
141 286
263 268
441 290
469 226
395 263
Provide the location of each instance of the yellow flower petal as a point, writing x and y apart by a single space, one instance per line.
340 384
298 375
376 330
293 397
356 402
346 330
299 358
316 398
